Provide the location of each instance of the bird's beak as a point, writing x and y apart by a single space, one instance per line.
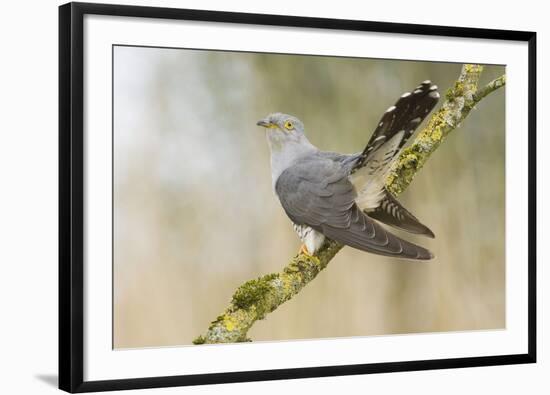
265 123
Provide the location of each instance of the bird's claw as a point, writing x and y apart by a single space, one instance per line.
304 251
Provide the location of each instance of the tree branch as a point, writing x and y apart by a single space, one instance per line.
255 299
490 87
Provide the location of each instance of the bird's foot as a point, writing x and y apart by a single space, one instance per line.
304 250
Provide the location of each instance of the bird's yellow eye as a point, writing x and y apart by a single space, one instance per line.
289 125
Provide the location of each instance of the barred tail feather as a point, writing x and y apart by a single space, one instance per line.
398 123
404 116
391 212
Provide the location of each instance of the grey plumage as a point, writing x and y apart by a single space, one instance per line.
342 196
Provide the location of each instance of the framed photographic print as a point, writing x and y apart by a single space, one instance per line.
258 197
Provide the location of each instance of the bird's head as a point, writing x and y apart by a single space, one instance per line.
283 131
287 141
282 125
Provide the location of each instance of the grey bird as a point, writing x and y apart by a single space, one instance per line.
343 197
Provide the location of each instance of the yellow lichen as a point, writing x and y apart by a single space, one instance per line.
229 324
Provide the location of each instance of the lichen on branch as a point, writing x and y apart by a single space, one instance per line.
254 299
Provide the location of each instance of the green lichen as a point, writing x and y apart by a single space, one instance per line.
437 134
302 262
256 298
472 70
458 89
449 94
412 159
290 285
403 172
253 291
470 78
466 85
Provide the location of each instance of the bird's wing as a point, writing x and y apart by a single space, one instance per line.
317 192
397 124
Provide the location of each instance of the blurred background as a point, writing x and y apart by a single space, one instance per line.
195 215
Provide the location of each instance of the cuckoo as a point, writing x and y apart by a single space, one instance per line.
341 196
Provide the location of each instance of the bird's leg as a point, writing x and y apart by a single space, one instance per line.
304 250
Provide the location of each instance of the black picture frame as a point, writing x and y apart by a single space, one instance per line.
71 204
